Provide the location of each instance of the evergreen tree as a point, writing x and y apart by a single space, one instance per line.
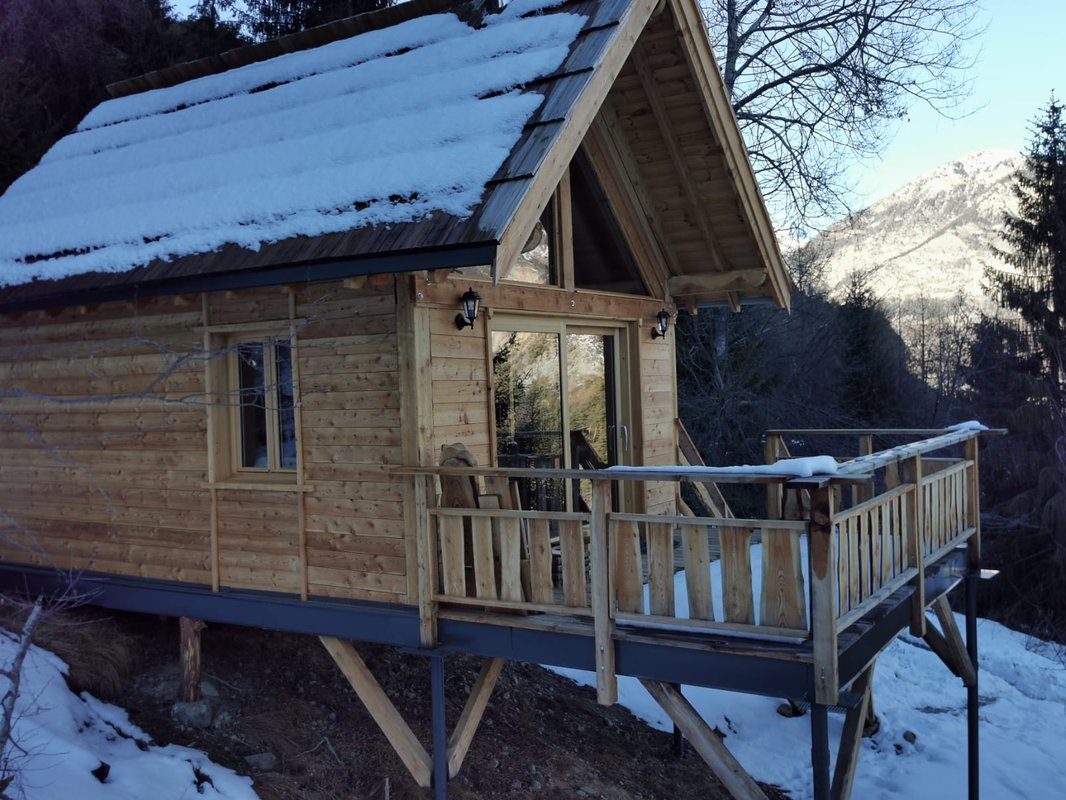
1034 285
269 19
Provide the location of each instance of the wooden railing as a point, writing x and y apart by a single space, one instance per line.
868 531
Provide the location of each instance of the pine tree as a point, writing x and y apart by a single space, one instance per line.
1035 284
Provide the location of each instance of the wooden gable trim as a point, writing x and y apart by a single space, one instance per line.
715 101
543 184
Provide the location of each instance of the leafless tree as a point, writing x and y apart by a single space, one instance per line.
817 83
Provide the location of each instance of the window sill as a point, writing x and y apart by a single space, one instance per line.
260 484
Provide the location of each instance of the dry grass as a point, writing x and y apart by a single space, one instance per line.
98 652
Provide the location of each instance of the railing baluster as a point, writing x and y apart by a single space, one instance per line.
661 568
736 575
572 553
628 583
540 561
697 571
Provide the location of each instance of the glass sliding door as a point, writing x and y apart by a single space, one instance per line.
558 404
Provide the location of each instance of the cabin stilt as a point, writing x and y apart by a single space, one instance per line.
190 659
820 750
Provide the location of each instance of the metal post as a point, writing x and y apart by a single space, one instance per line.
972 698
820 750
440 730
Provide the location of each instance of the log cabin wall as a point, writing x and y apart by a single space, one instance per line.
657 416
115 437
102 440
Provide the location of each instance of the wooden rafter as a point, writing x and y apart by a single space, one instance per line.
677 158
704 741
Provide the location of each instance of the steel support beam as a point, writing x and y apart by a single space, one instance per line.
440 730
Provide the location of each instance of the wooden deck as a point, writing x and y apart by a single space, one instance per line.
851 542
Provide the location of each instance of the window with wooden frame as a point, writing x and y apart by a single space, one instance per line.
252 417
264 430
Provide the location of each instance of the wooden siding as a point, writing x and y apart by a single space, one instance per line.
462 401
105 444
656 412
102 452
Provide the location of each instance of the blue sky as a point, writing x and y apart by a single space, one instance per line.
1022 59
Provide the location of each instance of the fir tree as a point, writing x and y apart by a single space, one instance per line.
1035 284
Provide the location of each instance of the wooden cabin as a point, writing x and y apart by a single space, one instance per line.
238 335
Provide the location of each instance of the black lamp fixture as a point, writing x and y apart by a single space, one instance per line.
471 301
662 322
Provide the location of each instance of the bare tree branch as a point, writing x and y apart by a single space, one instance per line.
818 83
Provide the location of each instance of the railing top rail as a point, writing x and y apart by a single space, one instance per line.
718 475
924 432
892 455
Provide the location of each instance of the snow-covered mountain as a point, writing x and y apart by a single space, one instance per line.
931 237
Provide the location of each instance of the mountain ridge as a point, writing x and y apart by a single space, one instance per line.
932 237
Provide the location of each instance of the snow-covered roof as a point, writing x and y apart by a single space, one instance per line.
405 139
385 127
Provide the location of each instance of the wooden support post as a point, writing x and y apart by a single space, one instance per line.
427 563
466 727
973 504
915 543
190 659
823 597
775 507
950 647
704 741
866 447
851 737
603 624
396 730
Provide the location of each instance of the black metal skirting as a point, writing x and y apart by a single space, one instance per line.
772 675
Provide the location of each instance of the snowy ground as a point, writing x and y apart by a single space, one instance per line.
61 738
1022 685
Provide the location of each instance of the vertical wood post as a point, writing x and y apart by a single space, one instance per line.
774 491
823 597
973 504
190 659
867 490
915 544
427 563
603 624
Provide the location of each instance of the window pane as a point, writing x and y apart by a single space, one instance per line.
529 419
252 397
286 415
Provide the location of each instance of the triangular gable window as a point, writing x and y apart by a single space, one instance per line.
602 259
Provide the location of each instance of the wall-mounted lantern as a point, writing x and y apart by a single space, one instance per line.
471 301
662 322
